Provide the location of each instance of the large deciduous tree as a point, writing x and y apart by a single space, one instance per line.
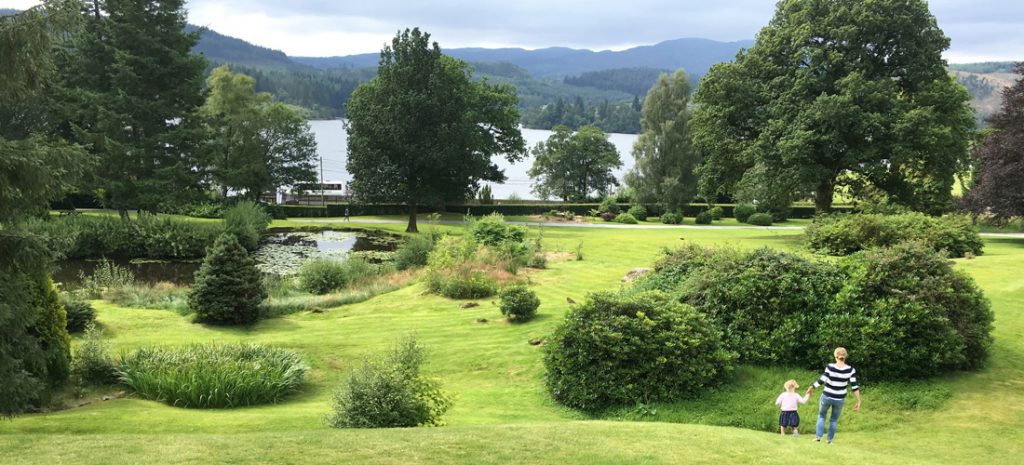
258 144
423 132
999 177
836 92
665 157
34 169
138 87
571 166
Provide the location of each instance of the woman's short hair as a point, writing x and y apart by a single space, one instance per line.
840 353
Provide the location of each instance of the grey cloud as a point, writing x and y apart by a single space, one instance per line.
977 27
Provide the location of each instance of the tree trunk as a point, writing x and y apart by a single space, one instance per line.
123 213
823 196
412 219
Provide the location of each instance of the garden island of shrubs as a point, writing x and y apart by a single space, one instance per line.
759 237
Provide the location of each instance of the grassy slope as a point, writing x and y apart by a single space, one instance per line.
502 414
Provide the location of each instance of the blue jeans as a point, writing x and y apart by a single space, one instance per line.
823 406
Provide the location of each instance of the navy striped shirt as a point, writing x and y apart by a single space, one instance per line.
836 380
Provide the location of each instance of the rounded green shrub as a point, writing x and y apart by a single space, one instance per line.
492 230
80 313
390 392
768 303
518 303
414 251
743 211
213 375
843 234
717 213
325 275
639 212
228 288
704 217
904 312
760 219
624 349
625 218
609 205
671 218
461 283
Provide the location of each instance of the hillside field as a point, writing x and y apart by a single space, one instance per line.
502 413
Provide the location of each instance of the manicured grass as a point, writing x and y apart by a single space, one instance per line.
502 413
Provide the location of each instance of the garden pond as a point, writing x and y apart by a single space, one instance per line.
282 251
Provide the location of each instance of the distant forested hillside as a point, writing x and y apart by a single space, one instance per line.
694 55
633 81
7 11
988 67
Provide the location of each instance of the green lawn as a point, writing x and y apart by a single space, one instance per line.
502 413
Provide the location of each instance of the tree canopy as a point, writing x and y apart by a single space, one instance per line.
259 144
998 189
137 87
34 169
665 157
571 166
836 93
423 132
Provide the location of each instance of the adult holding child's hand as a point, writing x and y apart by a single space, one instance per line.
837 379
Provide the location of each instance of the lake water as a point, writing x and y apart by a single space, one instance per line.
332 144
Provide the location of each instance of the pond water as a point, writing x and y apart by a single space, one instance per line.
282 251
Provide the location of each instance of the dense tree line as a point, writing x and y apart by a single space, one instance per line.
621 117
633 81
324 94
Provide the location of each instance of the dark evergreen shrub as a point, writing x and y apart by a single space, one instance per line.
518 303
743 211
51 327
639 212
760 219
671 218
608 216
904 312
843 234
624 349
79 313
704 217
676 266
390 392
228 288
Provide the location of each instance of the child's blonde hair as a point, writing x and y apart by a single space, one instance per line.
840 353
791 385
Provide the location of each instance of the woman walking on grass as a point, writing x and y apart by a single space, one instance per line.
836 379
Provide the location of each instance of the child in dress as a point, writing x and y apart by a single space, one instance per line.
789 401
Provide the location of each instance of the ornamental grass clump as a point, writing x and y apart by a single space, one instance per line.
213 375
389 391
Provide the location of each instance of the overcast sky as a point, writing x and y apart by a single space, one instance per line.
981 30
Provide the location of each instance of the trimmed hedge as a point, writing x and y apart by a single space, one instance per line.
526 209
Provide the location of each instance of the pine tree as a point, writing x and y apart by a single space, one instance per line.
138 87
228 288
